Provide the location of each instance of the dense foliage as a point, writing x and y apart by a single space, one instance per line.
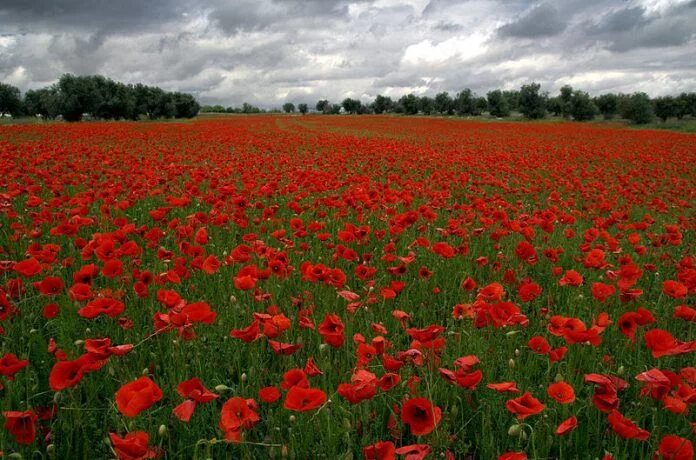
346 287
100 98
530 101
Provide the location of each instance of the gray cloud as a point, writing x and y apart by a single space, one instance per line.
543 20
269 51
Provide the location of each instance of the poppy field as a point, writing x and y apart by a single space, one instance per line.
345 288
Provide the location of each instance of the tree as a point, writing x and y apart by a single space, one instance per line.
382 104
532 103
44 102
480 105
248 108
351 105
464 103
565 100
497 104
637 108
426 105
513 99
302 108
581 107
555 106
335 109
185 106
78 95
608 105
685 105
10 101
288 107
664 107
408 104
444 103
323 106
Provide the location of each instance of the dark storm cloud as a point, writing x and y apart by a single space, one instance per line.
541 21
270 51
634 27
92 15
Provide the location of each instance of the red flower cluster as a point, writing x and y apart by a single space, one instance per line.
387 286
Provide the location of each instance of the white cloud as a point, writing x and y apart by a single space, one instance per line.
264 51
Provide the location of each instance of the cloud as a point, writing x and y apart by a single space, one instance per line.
543 20
269 51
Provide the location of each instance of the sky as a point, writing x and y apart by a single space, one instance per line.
267 52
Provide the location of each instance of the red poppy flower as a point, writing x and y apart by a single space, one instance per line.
561 392
674 289
571 278
102 306
420 415
529 291
66 374
625 428
50 311
382 450
197 394
137 396
567 426
28 268
504 387
414 451
539 344
237 414
10 365
524 406
686 313
602 292
269 394
22 425
331 329
673 447
662 343
304 399
133 446
513 456
50 286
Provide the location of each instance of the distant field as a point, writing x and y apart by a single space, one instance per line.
346 287
685 125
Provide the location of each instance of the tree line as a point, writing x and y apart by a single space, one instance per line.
73 97
529 101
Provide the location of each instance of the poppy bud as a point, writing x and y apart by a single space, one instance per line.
145 371
88 330
558 378
346 423
621 370
15 456
292 419
233 299
511 333
51 450
162 431
323 347
57 397
511 363
243 377
517 351
33 331
221 388
515 430
79 343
